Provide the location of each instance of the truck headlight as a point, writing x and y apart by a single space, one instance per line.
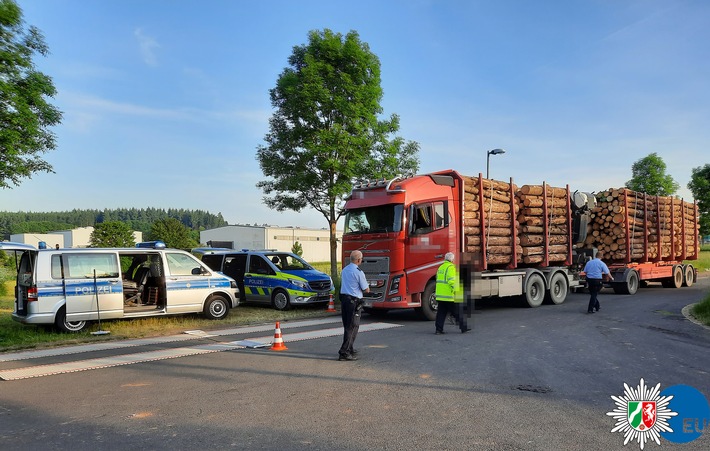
394 284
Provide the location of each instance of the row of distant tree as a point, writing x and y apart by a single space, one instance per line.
139 219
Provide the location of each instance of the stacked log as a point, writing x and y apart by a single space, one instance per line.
491 203
537 246
631 226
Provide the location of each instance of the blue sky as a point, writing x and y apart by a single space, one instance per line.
166 101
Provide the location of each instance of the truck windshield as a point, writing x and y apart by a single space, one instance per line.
380 219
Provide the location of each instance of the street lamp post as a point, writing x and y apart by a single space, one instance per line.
488 158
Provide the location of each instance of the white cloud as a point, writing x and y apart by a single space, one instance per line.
147 45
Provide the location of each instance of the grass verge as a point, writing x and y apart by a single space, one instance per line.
15 336
701 310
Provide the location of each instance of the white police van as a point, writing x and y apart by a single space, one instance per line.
69 287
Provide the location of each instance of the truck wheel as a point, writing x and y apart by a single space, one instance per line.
676 281
68 326
559 286
534 290
216 307
429 306
688 276
280 300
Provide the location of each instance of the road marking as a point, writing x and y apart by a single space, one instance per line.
149 356
186 336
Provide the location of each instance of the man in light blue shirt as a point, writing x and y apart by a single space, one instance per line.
594 271
352 285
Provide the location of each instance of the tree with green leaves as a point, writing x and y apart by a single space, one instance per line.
326 132
173 233
699 185
26 116
112 234
297 249
648 175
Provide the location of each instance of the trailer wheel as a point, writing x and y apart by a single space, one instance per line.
688 276
630 285
534 290
429 305
676 281
559 286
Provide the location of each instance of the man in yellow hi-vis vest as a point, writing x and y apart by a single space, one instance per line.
449 295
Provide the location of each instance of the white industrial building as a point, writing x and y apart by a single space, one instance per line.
75 238
315 242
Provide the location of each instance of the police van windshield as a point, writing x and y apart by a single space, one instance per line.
287 261
379 219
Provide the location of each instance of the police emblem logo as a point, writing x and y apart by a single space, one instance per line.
641 414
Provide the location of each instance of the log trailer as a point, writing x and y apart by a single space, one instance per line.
530 242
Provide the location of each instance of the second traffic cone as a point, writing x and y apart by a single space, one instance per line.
278 340
331 305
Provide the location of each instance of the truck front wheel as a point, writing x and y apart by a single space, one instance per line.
429 306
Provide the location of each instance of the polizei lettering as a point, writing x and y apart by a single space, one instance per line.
90 290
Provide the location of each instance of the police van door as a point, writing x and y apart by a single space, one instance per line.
188 283
258 280
85 293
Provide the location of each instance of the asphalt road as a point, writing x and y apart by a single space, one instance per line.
537 379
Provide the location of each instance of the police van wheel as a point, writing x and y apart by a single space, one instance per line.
216 307
68 326
280 300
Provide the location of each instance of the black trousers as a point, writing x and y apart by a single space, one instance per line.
350 308
456 310
595 286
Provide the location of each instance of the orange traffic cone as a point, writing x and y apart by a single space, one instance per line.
278 340
331 305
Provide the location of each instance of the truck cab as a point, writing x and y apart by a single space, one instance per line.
403 227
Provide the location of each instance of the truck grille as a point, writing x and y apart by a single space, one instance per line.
377 270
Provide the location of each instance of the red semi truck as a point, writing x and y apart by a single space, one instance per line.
405 226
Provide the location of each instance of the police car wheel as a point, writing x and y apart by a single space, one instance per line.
68 326
216 307
280 300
